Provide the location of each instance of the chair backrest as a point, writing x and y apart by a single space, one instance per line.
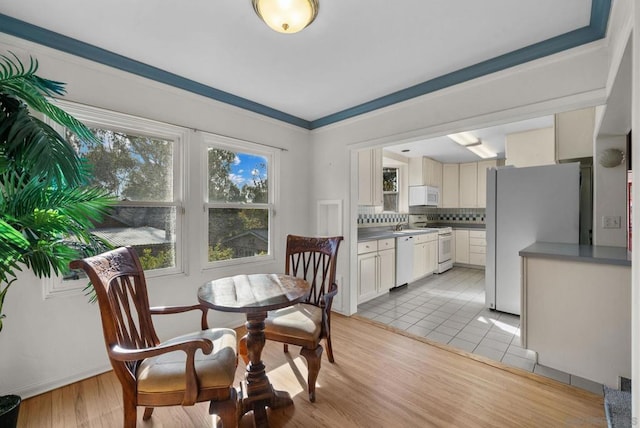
314 259
120 286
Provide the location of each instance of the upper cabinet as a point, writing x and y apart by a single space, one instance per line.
574 133
465 185
450 186
370 177
531 148
425 172
468 196
482 180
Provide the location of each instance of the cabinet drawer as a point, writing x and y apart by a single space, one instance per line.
478 234
386 244
367 247
431 237
477 259
477 241
477 249
425 237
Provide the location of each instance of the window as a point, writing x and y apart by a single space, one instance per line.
390 191
239 201
138 161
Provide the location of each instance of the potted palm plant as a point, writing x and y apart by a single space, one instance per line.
47 208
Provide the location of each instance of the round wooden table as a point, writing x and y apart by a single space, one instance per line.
255 295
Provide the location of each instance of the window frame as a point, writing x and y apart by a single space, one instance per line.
94 117
272 154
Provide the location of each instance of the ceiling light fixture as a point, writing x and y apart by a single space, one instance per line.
473 144
286 16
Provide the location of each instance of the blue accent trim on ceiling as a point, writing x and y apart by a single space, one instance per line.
596 30
39 35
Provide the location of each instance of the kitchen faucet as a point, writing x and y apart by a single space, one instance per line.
399 226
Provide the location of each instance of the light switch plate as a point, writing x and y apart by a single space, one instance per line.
611 222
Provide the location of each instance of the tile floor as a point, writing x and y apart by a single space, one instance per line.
449 308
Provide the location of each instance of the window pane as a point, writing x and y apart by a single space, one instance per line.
131 167
150 230
237 177
390 202
237 233
389 179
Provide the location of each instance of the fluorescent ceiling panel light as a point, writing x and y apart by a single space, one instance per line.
464 139
482 151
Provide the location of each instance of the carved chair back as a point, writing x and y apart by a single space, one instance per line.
314 259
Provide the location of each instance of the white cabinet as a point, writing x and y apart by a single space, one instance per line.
450 185
376 268
574 133
425 172
470 247
482 181
370 177
425 255
477 247
462 246
468 197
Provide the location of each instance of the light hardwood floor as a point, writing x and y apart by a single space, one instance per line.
381 378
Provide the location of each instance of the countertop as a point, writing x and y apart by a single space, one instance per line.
579 253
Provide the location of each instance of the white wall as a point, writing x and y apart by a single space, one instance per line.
48 343
609 195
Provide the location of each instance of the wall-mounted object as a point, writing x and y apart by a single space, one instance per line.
610 158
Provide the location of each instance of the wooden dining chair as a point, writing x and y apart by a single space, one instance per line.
191 368
307 323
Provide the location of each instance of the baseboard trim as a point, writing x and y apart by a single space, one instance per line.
40 388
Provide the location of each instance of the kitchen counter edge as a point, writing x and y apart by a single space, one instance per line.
579 253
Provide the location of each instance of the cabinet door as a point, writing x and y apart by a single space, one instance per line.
365 185
387 270
415 172
432 256
432 172
367 276
419 261
462 246
450 182
482 181
376 177
370 177
468 185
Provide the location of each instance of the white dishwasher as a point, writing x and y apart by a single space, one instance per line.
404 260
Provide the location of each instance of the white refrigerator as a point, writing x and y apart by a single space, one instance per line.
525 205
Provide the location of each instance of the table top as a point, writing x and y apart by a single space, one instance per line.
253 293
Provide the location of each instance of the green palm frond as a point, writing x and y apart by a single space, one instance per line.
27 141
22 83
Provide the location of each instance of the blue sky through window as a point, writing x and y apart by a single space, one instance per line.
246 167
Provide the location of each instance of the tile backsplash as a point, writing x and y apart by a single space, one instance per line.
435 215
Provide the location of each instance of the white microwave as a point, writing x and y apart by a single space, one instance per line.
424 195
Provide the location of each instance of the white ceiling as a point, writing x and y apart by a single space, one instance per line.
443 149
354 52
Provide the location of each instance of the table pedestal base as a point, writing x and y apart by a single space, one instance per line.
258 402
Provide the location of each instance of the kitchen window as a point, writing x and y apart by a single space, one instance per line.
390 192
139 162
239 201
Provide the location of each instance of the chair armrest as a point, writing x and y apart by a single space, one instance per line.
167 310
189 346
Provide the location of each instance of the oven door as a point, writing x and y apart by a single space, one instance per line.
444 247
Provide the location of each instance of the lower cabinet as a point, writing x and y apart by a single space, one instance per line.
376 268
462 246
470 247
425 255
477 247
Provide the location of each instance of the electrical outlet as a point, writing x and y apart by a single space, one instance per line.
611 222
